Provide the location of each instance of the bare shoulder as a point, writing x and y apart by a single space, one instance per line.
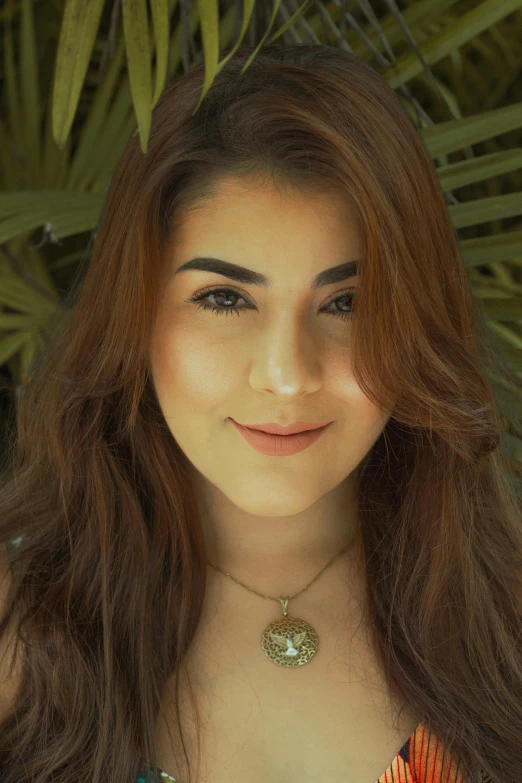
10 674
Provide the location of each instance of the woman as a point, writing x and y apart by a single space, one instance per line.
339 604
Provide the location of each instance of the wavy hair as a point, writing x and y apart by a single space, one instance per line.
109 565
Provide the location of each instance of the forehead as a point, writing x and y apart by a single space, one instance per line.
239 195
270 221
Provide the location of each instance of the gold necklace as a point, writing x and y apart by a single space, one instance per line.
289 641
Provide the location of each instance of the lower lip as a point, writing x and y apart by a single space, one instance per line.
279 445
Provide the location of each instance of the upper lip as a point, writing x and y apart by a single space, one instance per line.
290 429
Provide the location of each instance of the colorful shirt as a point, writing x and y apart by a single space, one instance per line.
420 760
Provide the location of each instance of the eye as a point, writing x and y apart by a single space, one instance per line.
230 293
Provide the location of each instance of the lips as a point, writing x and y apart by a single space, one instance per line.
280 445
291 429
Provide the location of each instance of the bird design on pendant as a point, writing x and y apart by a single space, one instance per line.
290 646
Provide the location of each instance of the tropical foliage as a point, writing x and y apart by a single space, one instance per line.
78 77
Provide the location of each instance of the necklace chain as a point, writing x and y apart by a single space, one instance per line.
269 597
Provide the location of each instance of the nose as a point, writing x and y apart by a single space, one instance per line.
286 360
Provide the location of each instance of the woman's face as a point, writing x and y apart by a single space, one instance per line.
278 352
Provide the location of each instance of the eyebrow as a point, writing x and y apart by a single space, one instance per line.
335 274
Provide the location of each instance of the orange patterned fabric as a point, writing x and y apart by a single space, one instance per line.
422 759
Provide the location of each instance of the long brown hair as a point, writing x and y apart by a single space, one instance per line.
106 547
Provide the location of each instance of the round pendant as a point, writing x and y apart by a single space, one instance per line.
289 641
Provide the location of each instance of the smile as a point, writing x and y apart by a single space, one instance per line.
279 445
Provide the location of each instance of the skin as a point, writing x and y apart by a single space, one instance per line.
272 522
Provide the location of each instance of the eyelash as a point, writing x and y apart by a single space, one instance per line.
196 299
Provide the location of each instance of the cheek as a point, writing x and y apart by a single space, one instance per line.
187 363
363 417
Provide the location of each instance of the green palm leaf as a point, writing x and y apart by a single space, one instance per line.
108 73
